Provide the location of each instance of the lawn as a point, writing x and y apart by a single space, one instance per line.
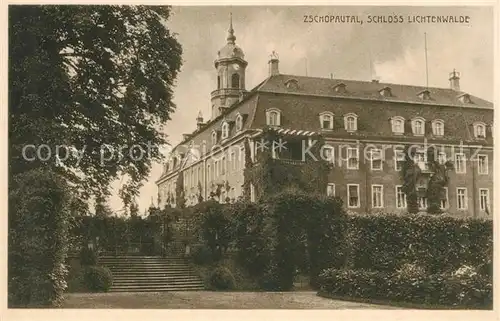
210 300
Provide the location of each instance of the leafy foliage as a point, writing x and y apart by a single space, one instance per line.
39 203
221 278
88 77
437 243
446 289
437 182
88 256
98 278
180 197
410 173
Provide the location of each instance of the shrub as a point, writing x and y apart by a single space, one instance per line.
38 238
462 290
88 256
98 278
386 242
221 278
201 255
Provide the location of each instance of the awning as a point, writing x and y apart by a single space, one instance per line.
295 132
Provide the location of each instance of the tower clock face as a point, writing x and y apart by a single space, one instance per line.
236 67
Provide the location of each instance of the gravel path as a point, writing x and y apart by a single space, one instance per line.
210 300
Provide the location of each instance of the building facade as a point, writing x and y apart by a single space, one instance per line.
364 124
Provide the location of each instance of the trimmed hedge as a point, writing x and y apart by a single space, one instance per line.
438 243
469 290
38 238
97 278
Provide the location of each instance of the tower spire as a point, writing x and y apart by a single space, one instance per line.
231 37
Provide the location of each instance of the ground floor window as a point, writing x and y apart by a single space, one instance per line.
484 199
353 195
377 196
330 189
400 197
461 198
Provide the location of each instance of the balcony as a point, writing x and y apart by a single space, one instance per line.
287 161
226 92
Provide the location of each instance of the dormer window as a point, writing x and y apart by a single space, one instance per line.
351 122
239 123
339 88
385 92
479 130
438 127
418 126
292 84
465 99
273 117
214 137
326 120
424 95
225 130
398 125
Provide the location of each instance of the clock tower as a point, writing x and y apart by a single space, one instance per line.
230 65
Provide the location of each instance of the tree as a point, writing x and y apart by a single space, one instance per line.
134 209
102 209
180 198
437 182
410 173
95 78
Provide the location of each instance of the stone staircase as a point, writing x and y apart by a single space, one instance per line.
136 273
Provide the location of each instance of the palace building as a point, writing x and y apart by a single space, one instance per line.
362 124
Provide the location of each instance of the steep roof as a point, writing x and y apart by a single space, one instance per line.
368 90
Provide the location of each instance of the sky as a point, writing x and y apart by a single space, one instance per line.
390 52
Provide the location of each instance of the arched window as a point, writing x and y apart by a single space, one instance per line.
239 123
479 130
235 81
214 137
326 120
438 127
418 126
273 117
398 125
351 122
225 130
218 82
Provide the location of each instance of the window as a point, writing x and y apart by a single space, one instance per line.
482 164
484 199
399 159
328 153
421 199
398 125
292 84
461 198
351 122
214 137
239 123
225 130
326 120
442 158
242 157
353 195
352 158
479 130
216 169
460 163
377 196
223 166
444 198
400 197
232 160
418 126
421 160
218 82
376 159
330 189
438 127
273 117
235 81
209 173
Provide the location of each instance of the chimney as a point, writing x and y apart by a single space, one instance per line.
455 80
199 120
273 64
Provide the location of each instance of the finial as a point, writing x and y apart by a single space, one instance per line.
231 37
273 55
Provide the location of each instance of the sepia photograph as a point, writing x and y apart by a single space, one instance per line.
250 157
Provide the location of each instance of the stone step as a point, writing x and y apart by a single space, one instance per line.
157 288
155 282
